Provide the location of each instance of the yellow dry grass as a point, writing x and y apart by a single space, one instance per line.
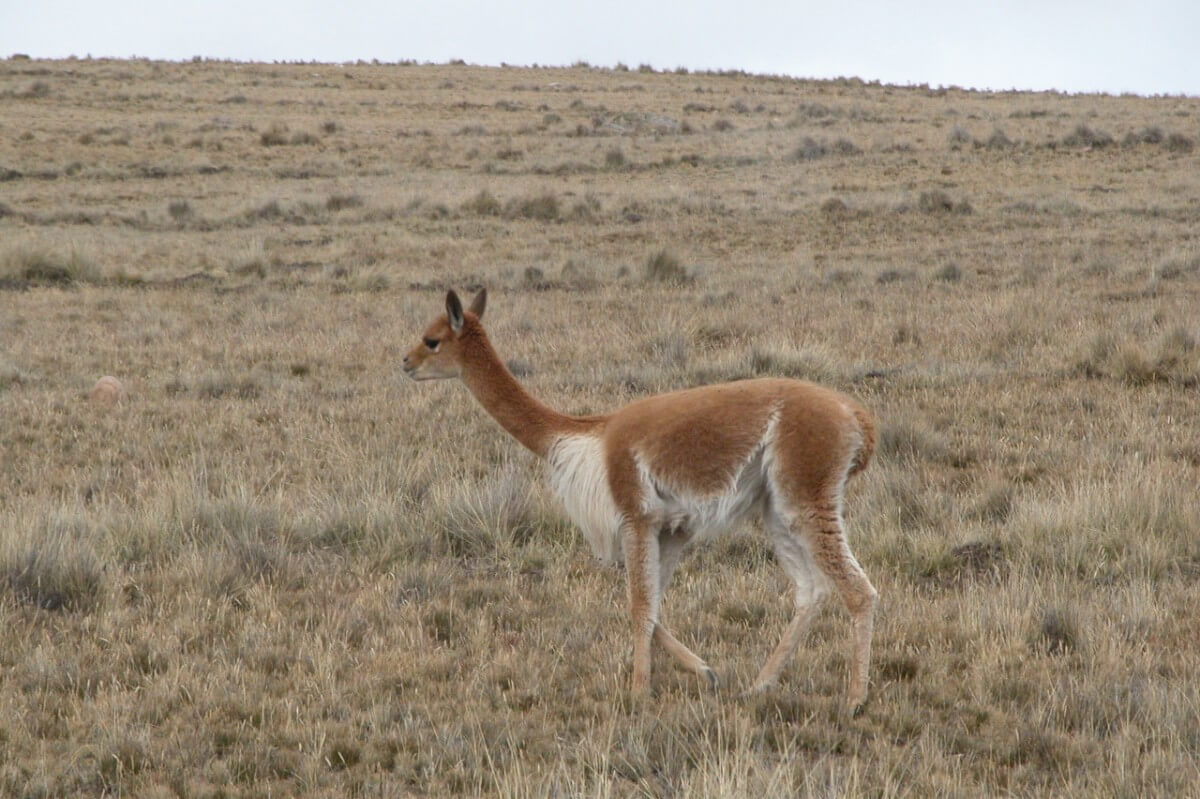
276 568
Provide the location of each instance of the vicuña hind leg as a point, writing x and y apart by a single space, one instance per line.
832 556
811 589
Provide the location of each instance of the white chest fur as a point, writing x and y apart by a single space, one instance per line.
579 477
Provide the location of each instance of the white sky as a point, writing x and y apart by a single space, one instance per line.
1143 46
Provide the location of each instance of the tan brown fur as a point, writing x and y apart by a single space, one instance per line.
688 464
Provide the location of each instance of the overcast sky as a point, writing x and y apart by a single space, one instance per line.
1148 47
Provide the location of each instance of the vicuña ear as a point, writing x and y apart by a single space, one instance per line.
478 304
454 311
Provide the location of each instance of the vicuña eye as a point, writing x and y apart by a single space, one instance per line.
432 343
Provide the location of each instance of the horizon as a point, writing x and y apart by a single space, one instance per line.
641 67
1070 47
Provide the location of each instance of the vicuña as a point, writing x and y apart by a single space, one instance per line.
668 471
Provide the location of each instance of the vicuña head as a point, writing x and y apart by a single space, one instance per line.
650 479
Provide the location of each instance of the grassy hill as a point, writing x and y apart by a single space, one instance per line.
278 568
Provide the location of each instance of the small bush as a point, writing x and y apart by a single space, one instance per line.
722 125
959 136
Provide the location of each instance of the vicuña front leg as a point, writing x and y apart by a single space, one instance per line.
670 549
641 570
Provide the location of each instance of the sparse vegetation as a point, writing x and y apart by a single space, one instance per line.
279 569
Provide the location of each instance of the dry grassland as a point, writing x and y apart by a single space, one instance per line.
275 568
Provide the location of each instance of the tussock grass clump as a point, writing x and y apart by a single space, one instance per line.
1084 136
615 158
221 385
52 565
11 375
342 202
1179 143
1056 631
999 141
894 275
949 273
937 201
266 212
1151 134
907 438
1173 358
274 136
664 267
835 207
483 204
44 268
806 363
577 274
1176 268
542 208
487 517
811 149
180 210
36 90
900 499
1109 532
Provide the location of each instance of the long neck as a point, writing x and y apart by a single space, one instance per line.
524 417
